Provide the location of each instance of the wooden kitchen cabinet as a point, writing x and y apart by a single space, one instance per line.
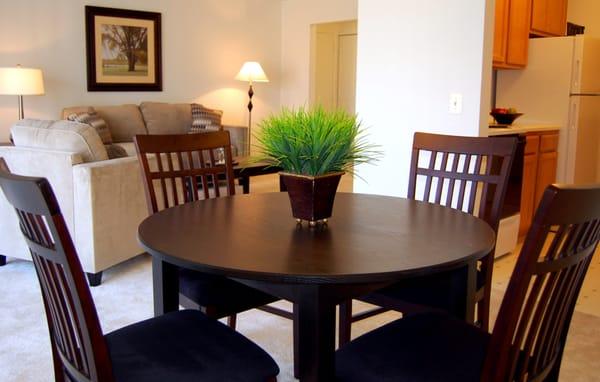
540 159
511 39
530 163
500 30
548 17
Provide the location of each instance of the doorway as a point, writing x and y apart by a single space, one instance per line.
333 65
333 70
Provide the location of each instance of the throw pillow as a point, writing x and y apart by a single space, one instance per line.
92 118
115 151
205 119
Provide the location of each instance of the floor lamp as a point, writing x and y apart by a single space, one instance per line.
21 81
251 72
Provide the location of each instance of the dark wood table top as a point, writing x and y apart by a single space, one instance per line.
368 239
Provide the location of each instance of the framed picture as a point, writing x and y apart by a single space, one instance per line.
123 50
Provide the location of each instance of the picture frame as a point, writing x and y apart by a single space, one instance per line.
123 49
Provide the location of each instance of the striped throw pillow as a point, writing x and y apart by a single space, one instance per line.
92 118
115 151
205 119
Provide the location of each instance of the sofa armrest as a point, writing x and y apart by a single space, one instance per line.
110 203
57 167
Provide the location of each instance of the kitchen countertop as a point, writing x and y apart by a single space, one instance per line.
522 129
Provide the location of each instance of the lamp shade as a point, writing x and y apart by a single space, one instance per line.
251 71
21 81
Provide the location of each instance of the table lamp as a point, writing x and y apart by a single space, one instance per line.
21 81
251 72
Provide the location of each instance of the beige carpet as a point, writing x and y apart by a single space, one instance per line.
126 297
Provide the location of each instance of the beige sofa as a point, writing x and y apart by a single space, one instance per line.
102 199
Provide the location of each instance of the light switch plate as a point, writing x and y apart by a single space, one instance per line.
455 103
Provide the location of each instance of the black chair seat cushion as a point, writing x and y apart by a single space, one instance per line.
443 291
186 346
226 295
424 347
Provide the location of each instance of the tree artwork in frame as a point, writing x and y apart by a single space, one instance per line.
123 50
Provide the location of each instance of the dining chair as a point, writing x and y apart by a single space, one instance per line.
464 173
179 346
185 168
3 167
529 335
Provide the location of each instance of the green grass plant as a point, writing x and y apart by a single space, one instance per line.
314 141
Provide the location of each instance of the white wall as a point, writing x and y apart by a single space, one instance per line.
296 18
587 13
204 44
411 56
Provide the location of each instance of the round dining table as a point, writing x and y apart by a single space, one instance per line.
370 242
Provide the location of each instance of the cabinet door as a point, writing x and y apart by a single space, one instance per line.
546 174
518 33
501 31
549 17
530 162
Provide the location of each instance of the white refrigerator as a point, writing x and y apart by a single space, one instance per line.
561 85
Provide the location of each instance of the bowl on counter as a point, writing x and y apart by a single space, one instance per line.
505 118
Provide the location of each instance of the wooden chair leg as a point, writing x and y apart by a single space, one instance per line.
483 311
296 337
232 321
483 306
2 260
94 279
345 323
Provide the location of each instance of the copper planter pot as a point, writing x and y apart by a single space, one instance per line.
311 197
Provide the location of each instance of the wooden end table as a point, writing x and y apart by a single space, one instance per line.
244 169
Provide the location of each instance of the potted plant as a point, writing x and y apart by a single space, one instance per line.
314 148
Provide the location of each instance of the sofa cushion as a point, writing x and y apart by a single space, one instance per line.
166 118
124 121
61 136
91 117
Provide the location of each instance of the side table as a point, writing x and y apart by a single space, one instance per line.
244 169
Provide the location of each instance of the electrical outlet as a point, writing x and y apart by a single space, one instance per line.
455 104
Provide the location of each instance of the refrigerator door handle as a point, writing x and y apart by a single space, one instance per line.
573 117
576 74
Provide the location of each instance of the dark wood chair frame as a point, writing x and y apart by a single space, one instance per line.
454 162
529 336
187 169
79 350
3 167
199 150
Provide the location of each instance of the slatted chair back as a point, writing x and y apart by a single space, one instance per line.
468 174
530 333
79 350
183 168
465 173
